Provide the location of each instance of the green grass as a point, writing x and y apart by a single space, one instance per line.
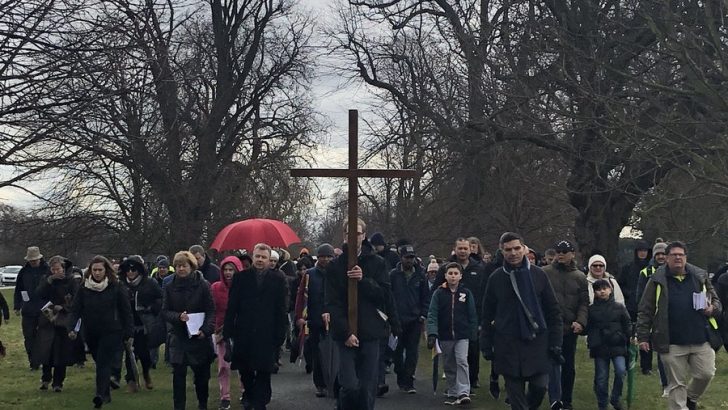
19 386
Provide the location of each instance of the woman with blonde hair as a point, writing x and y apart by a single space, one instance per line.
103 309
189 293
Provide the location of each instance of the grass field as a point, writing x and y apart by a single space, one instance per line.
19 386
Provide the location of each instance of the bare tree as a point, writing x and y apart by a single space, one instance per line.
182 96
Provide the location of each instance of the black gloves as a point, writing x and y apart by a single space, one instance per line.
431 341
555 355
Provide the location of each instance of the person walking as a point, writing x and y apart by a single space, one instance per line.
103 307
572 292
230 267
412 297
358 353
25 299
658 259
608 332
629 276
676 317
54 349
145 298
309 312
190 345
521 325
256 323
452 323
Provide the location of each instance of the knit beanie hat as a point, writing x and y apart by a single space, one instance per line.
377 239
597 258
660 247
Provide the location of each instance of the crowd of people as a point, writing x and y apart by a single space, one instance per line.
522 311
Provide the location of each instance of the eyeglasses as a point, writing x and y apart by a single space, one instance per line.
563 252
676 255
599 266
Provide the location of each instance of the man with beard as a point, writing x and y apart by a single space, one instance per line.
256 321
658 260
572 292
474 278
310 311
521 325
411 296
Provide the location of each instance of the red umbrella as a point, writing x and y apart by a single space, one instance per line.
245 234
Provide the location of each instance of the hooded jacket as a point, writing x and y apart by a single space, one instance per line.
629 276
221 289
572 292
209 270
474 278
653 324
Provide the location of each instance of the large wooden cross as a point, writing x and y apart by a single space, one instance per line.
353 173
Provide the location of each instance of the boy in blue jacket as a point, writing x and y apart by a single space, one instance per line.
453 322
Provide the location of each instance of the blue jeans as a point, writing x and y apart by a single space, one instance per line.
601 379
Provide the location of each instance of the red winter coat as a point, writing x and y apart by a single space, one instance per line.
220 291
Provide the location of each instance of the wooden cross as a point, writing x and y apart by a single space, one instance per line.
353 173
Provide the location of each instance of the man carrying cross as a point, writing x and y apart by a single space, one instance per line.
358 351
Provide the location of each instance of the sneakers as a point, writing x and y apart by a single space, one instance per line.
410 390
665 392
460 401
57 389
43 385
557 405
224 405
320 392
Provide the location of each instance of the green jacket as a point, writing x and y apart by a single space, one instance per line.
652 317
572 291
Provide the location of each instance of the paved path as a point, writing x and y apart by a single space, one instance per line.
293 390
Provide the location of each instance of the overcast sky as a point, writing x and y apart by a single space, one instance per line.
333 97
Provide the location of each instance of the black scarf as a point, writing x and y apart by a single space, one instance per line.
530 300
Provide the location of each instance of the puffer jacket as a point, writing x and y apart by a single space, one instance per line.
616 289
572 292
653 319
609 328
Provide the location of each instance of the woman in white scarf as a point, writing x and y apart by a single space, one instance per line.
101 310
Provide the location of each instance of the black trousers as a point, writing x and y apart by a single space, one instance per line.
104 349
568 369
523 398
257 388
313 355
474 360
406 354
53 373
29 325
179 384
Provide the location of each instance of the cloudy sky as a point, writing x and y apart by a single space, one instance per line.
333 97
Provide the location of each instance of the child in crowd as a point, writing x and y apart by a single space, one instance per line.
608 333
452 322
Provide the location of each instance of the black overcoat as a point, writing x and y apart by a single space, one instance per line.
514 356
191 295
256 319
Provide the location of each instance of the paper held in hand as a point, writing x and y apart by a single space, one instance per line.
195 323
